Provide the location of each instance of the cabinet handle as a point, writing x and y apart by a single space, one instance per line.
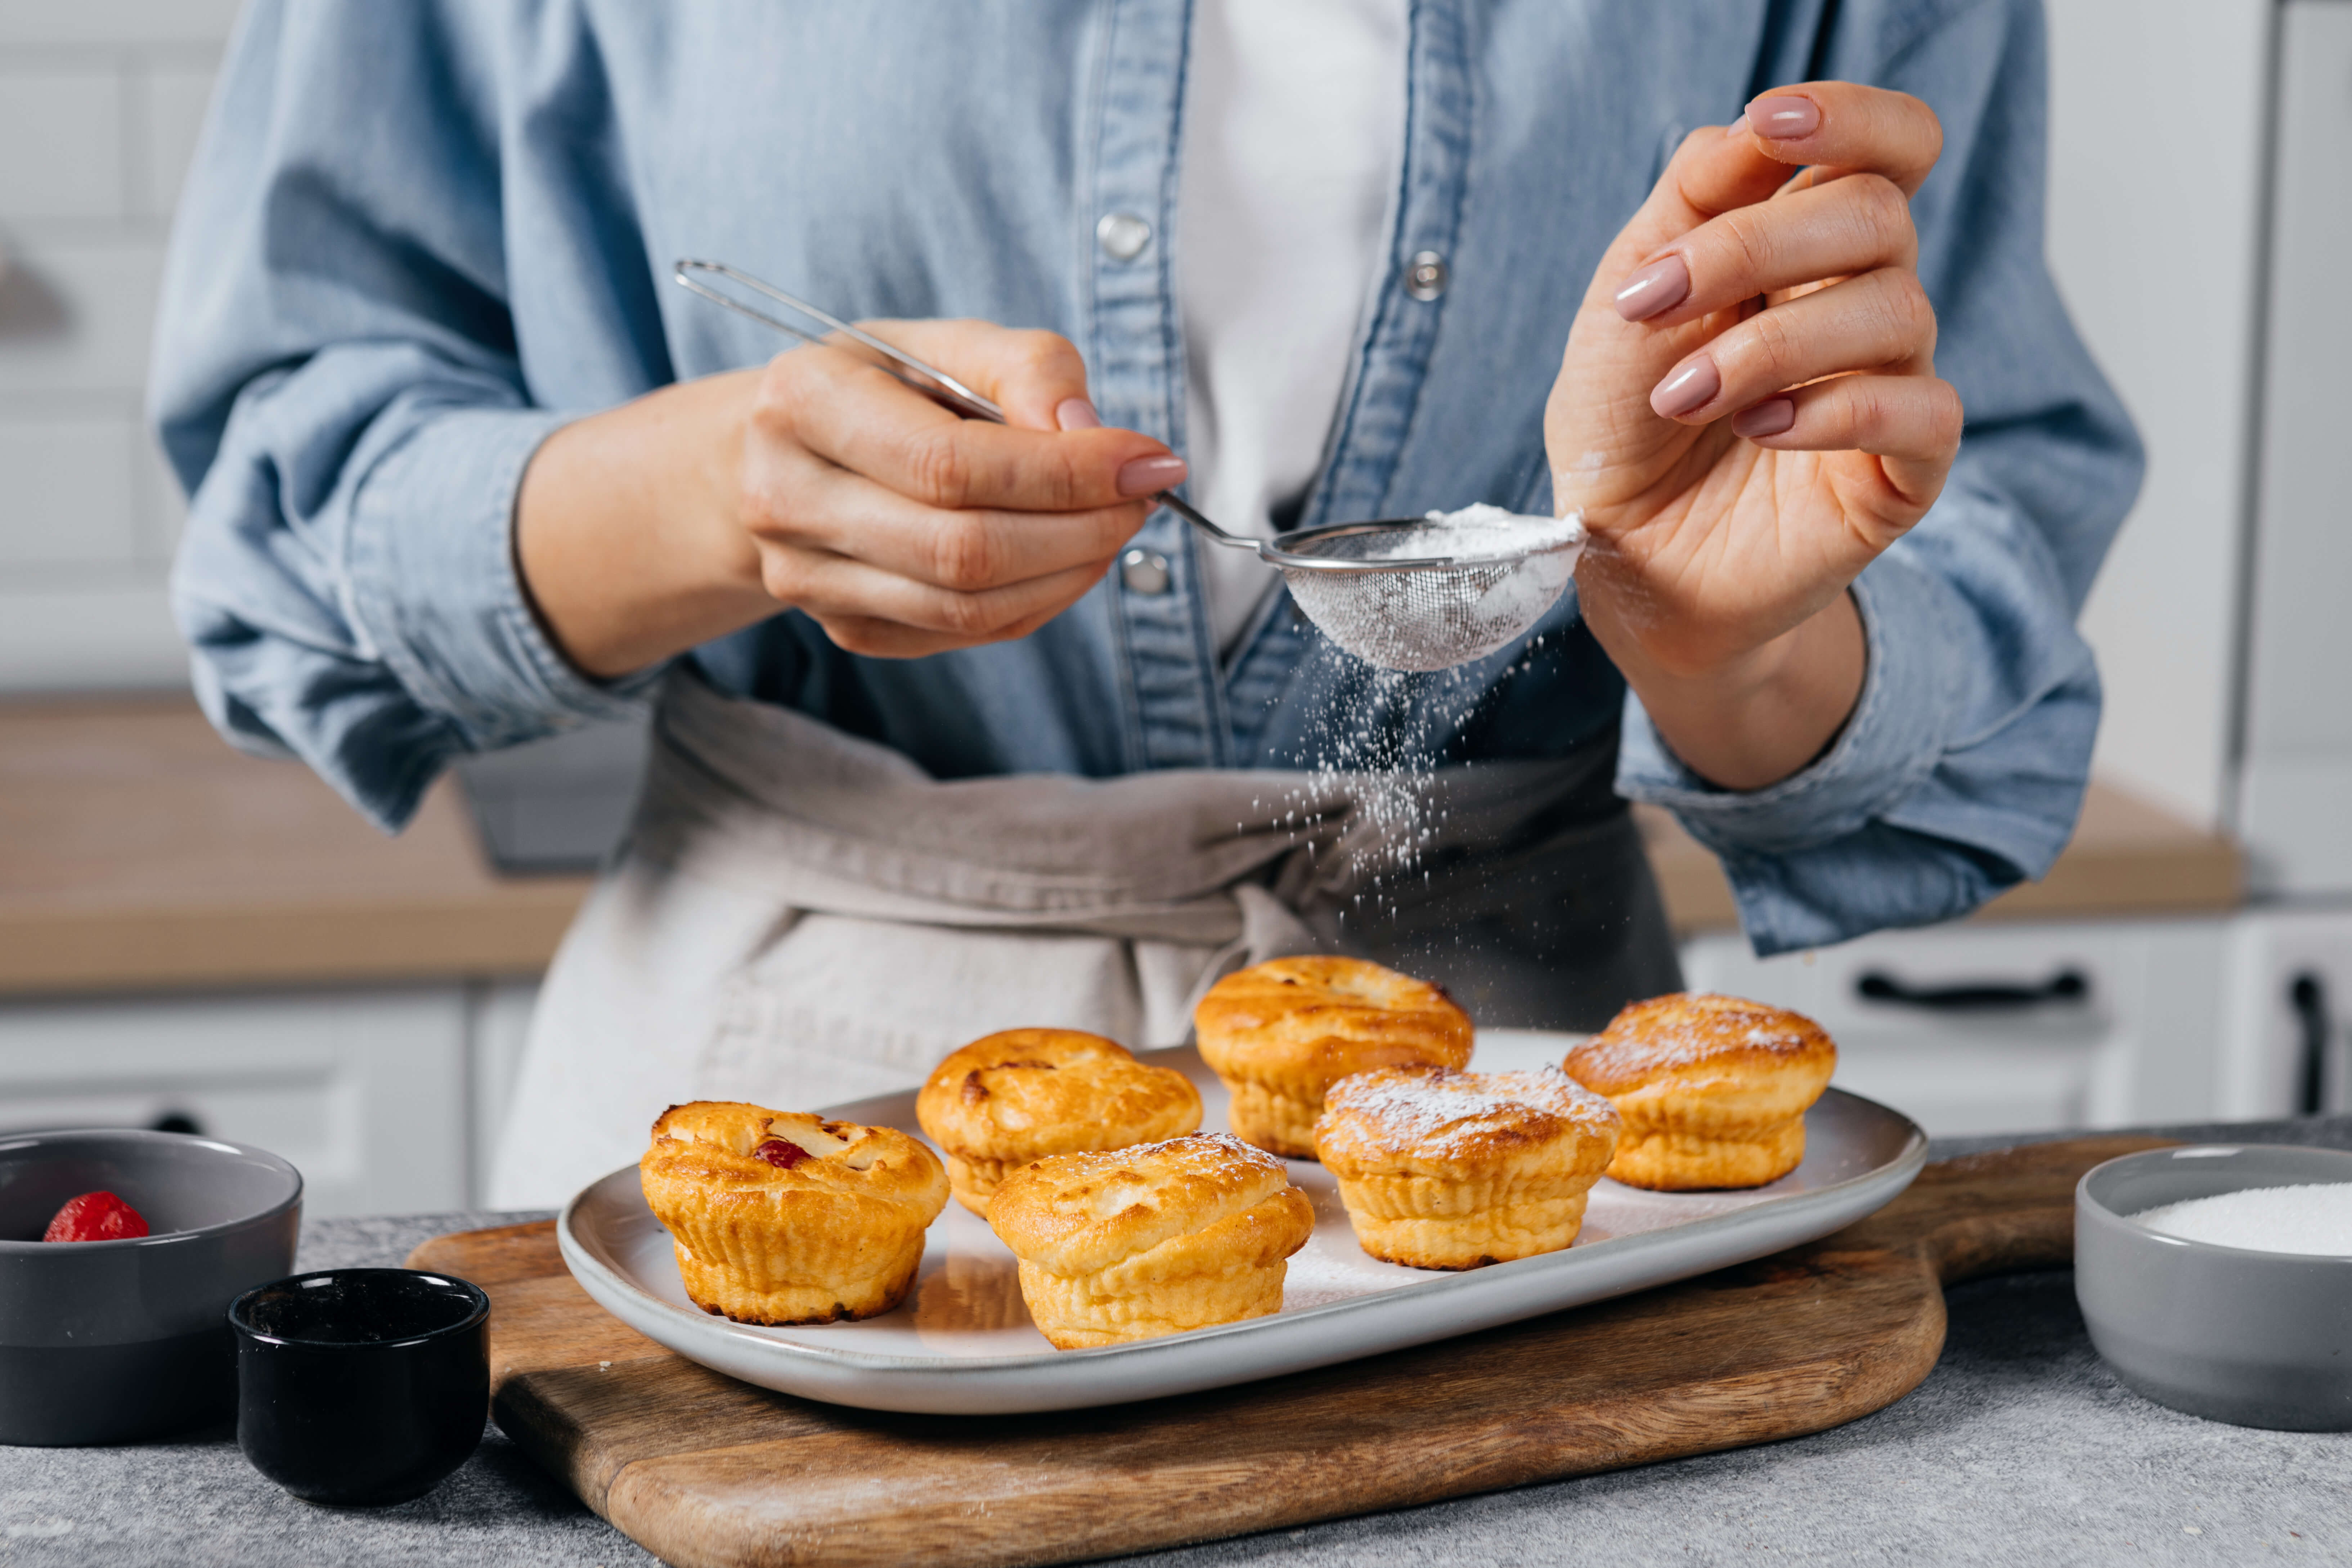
2067 986
2308 997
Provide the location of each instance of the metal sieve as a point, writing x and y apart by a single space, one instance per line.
1362 583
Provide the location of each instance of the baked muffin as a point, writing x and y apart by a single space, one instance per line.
1283 1032
1444 1169
782 1217
1713 1089
1006 1101
1131 1243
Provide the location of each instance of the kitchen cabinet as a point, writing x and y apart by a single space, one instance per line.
2286 1042
2021 1027
367 1091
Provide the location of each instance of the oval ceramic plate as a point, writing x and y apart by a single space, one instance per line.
962 1343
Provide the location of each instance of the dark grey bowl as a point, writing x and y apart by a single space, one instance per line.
107 1342
2255 1339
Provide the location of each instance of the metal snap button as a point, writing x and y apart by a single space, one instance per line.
1123 236
1144 572
1424 279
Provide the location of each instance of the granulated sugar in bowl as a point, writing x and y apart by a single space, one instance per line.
2311 1219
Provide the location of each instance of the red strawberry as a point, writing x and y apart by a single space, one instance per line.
95 1216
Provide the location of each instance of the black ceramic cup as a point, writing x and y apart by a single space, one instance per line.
361 1385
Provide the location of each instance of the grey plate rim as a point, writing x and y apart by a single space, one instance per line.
1226 1353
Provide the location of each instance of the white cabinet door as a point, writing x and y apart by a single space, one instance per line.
2007 1028
2290 1014
365 1092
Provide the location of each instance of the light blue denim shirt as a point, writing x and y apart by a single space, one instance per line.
419 236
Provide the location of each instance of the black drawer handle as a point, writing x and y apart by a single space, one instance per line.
2067 986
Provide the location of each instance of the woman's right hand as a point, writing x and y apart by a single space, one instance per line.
822 484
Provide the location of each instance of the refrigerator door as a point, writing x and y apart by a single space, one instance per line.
2295 794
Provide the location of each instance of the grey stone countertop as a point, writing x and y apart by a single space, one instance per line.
2019 1448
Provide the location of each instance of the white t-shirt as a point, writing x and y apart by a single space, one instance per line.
1293 147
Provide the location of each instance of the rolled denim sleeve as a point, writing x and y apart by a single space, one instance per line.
336 382
1963 766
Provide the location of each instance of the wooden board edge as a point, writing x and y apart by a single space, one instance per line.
493 1256
642 1501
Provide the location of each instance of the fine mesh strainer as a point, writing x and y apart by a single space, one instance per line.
1398 593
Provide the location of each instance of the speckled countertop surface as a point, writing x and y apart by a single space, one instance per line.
2017 1449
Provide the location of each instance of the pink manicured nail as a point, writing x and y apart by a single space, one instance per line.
1784 119
1659 286
1770 418
1693 386
1737 128
1077 414
1149 476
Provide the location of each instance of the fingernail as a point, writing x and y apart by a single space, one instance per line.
1077 414
1784 119
1149 476
1737 128
1659 286
1769 418
1693 386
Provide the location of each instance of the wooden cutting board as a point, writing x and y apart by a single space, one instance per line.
706 1472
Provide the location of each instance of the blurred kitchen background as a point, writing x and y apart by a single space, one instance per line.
196 940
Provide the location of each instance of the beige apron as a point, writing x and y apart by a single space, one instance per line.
799 917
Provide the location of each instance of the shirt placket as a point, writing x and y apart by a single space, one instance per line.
1176 708
1400 334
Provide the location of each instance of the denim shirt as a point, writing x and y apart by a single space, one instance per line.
420 237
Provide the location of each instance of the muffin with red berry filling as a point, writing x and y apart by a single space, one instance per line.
783 1217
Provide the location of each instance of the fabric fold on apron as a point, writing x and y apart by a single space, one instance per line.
801 917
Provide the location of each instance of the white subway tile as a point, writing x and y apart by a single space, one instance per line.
72 493
60 142
77 315
173 102
108 635
119 21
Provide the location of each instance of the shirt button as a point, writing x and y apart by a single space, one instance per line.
1123 236
1424 279
1144 572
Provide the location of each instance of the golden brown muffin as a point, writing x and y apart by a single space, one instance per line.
1006 1101
1282 1033
782 1217
1444 1169
1713 1089
1132 1244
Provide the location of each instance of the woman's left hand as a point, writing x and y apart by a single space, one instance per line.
1748 414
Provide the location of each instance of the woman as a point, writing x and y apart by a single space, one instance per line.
955 730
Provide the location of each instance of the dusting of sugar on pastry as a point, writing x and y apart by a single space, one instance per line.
1682 1031
1439 1108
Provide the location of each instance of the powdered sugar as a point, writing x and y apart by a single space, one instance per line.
1500 572
1437 1112
1481 533
1680 1031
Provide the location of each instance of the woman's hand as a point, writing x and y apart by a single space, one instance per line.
1748 414
822 484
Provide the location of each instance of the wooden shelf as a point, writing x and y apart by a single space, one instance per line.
138 850
2128 859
